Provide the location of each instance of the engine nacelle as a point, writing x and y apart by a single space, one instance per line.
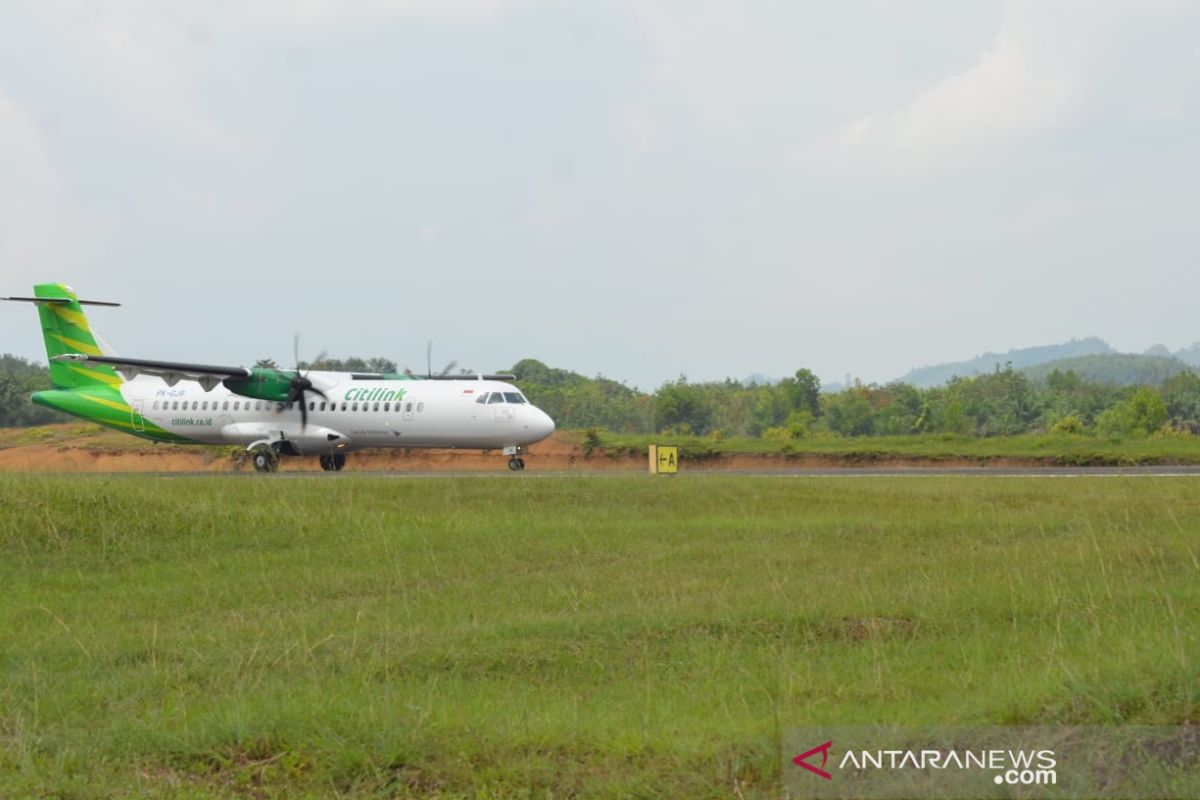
263 384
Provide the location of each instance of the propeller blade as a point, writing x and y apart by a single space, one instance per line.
303 412
449 367
296 352
429 359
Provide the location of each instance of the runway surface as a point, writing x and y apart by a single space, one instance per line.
843 472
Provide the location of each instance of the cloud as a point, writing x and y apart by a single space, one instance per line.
33 208
1020 86
1050 66
320 12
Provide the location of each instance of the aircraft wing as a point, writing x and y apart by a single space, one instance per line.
207 375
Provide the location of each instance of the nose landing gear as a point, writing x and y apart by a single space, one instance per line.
333 462
514 453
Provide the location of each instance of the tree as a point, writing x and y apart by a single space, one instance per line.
1147 411
1142 414
1181 394
849 413
679 406
803 392
19 379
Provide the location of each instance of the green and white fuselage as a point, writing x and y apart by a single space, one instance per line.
315 413
355 413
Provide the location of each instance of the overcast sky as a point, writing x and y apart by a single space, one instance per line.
634 189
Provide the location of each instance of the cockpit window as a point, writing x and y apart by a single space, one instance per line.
482 398
513 397
497 397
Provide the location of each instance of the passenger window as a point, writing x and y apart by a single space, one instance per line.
258 405
482 398
387 406
225 406
376 407
354 407
175 404
408 407
496 397
237 405
156 405
322 405
312 405
204 406
420 406
195 405
513 397
343 406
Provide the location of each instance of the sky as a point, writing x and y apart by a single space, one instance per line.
641 190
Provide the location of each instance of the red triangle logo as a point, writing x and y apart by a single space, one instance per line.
802 760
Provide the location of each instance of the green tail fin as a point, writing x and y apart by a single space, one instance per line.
66 330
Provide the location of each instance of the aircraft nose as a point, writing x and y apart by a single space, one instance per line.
540 423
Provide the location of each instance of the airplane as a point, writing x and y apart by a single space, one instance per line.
275 413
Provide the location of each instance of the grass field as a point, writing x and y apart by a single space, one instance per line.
265 636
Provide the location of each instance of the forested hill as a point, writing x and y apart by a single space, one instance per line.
1113 369
939 374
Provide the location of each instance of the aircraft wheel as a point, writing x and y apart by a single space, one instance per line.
339 461
326 463
515 464
265 460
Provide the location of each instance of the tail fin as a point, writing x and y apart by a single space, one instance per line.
66 330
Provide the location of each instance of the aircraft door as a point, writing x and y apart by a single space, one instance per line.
135 415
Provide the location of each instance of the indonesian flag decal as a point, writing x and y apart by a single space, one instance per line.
468 391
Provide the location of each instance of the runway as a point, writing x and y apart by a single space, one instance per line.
842 472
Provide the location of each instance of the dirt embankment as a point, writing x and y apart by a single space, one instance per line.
70 448
72 451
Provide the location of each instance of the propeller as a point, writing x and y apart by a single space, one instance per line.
429 365
301 384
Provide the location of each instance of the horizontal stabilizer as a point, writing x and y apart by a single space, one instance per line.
60 301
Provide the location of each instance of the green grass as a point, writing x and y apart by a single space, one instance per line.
265 636
1063 449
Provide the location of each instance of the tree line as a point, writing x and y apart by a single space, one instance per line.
1000 403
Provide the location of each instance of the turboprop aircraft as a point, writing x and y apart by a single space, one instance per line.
275 412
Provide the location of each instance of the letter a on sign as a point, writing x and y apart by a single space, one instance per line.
801 760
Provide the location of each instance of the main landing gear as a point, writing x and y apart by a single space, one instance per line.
333 462
264 458
516 464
